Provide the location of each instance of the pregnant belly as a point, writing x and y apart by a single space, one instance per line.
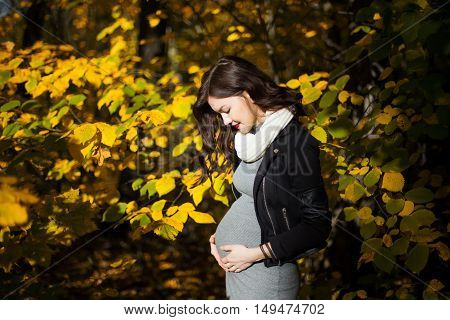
238 226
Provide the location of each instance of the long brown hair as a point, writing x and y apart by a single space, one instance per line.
228 77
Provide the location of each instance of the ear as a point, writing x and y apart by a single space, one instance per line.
247 96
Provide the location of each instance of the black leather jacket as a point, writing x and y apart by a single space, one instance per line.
290 200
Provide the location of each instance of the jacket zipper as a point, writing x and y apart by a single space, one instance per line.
270 218
285 218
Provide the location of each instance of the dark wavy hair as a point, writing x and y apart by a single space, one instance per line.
228 77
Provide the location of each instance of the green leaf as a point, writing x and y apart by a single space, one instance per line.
75 100
350 213
420 195
344 181
310 95
368 230
11 129
391 221
372 178
342 81
4 76
10 105
137 183
409 223
341 128
114 213
149 188
384 260
417 258
328 99
400 246
129 91
424 217
394 206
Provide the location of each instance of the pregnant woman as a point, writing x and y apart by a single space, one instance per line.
281 209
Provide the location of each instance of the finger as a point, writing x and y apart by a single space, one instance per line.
226 248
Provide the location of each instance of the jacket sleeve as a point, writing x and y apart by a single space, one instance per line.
308 194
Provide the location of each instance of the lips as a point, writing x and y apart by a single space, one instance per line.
236 126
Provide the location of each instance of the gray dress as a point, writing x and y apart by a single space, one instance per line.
240 226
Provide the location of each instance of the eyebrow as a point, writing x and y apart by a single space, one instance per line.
221 108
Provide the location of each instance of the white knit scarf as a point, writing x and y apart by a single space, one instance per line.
250 147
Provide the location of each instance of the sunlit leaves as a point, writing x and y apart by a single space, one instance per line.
85 132
354 191
393 181
164 185
157 117
310 95
13 202
372 177
181 106
10 105
200 217
319 133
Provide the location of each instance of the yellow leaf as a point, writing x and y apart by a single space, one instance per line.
383 118
171 210
93 78
156 215
321 85
108 133
158 205
187 206
180 216
365 213
85 132
233 37
174 223
154 22
198 191
393 181
193 69
320 134
310 34
85 151
218 185
12 214
293 83
379 221
356 99
165 185
310 95
354 191
182 106
179 149
376 16
157 117
201 217
161 141
343 96
407 209
221 198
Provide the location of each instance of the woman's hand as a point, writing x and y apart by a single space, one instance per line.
214 252
239 258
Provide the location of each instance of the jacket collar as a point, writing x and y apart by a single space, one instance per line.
277 146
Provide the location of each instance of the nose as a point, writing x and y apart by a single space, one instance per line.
226 119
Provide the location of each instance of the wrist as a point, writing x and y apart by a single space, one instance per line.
257 254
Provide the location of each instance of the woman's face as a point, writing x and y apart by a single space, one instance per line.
238 111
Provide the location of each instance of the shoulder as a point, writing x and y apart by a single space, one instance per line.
300 138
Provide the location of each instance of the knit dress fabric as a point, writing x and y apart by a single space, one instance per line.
240 226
